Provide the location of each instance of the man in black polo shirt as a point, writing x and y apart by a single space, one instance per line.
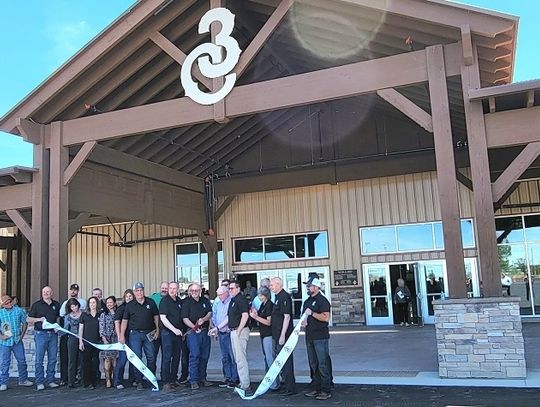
172 330
196 314
141 317
317 309
238 315
120 365
282 327
46 340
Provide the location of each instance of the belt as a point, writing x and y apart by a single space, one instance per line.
224 333
144 331
44 331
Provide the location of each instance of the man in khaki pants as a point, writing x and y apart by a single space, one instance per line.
238 315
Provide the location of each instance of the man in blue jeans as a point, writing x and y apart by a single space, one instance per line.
220 323
46 309
317 309
172 330
196 314
141 318
12 329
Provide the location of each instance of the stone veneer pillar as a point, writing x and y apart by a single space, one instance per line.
480 338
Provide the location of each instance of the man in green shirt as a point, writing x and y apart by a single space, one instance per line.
157 297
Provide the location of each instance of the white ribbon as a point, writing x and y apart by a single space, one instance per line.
132 357
278 364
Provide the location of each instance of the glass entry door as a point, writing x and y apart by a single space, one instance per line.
378 296
432 276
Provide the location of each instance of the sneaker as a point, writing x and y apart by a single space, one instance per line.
206 383
406 324
120 387
323 396
40 387
231 385
3 387
53 385
140 386
313 393
402 324
183 381
194 386
167 388
26 383
224 385
248 392
134 384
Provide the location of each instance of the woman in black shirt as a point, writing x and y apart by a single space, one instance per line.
264 318
89 330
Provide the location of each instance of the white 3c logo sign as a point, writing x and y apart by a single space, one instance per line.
218 66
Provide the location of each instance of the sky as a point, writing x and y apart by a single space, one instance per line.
38 36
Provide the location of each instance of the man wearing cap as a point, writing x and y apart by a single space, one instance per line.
45 309
196 314
317 309
141 317
12 329
282 327
73 292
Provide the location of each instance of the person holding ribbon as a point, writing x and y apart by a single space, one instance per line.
72 317
196 314
120 366
282 327
317 309
89 331
45 309
141 320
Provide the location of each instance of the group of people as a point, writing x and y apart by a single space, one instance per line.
181 328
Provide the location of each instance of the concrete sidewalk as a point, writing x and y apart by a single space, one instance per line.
386 355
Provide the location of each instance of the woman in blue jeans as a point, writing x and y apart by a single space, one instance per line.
264 317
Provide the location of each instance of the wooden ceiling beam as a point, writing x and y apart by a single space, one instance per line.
408 108
16 197
513 127
21 223
77 162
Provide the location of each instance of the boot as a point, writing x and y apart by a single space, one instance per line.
107 367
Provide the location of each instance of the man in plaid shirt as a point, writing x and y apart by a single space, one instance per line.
12 329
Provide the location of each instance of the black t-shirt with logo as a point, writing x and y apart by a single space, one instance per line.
193 310
265 311
51 312
282 306
91 327
140 317
172 309
316 329
238 305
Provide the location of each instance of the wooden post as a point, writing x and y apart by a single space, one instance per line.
486 242
210 244
40 221
58 213
446 172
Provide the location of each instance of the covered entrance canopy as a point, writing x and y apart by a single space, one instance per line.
326 91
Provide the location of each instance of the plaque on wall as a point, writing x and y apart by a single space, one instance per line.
346 278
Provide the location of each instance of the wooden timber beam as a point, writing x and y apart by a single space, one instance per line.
30 131
513 127
16 197
488 257
319 86
117 194
125 162
446 170
2 266
464 180
76 164
466 41
179 56
21 223
223 207
530 98
408 108
442 14
515 170
77 223
262 36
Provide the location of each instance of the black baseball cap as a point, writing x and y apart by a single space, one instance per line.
74 287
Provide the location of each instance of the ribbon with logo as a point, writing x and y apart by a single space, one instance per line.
132 357
278 364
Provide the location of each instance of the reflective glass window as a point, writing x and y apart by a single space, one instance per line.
378 240
187 254
532 227
415 237
509 230
467 233
248 250
317 245
439 238
278 248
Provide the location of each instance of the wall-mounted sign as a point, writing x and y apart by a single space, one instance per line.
346 278
215 60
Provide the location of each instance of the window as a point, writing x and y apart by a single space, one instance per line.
532 227
509 230
411 237
192 264
281 248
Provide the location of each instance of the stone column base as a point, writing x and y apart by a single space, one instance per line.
480 338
